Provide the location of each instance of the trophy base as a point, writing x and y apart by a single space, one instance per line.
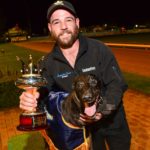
32 121
22 128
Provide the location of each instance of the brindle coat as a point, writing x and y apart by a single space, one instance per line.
86 91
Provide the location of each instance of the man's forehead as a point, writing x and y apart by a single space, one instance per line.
61 12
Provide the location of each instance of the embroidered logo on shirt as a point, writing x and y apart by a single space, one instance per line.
63 75
89 69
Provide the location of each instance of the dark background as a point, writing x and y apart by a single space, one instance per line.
31 14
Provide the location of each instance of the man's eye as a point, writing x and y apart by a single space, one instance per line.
55 22
69 20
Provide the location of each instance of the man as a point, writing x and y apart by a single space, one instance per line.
74 54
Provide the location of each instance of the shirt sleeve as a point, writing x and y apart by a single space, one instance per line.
113 82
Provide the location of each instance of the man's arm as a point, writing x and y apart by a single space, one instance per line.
113 82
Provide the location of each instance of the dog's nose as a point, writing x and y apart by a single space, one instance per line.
87 97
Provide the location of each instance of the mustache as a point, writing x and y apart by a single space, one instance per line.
65 31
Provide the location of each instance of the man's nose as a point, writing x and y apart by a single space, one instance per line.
63 25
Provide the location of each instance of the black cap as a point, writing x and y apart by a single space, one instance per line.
61 5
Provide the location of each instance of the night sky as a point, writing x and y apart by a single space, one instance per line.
31 14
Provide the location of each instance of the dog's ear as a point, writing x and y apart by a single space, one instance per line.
76 99
73 86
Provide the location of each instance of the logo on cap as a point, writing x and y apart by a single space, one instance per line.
59 3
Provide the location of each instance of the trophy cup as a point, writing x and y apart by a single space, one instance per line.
30 81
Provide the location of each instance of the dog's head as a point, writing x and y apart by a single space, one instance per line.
85 98
87 93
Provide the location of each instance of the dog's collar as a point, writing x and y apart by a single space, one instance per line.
99 100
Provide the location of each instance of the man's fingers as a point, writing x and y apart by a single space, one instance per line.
98 116
85 119
28 101
84 116
23 107
88 119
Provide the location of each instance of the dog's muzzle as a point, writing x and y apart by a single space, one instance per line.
91 108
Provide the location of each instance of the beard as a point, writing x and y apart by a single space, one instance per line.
69 41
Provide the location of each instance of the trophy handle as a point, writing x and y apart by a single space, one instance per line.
31 90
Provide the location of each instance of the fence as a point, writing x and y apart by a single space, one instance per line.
142 46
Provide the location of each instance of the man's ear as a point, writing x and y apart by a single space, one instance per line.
49 27
78 22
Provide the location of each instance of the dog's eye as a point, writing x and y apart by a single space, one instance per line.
93 82
80 85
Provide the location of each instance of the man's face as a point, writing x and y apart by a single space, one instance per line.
64 28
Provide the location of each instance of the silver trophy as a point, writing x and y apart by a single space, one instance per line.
31 80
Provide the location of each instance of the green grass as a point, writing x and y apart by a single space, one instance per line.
27 141
142 38
9 93
9 96
138 83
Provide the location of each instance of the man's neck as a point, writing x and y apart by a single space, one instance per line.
71 53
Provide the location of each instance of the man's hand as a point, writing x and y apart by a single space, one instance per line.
28 99
88 120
